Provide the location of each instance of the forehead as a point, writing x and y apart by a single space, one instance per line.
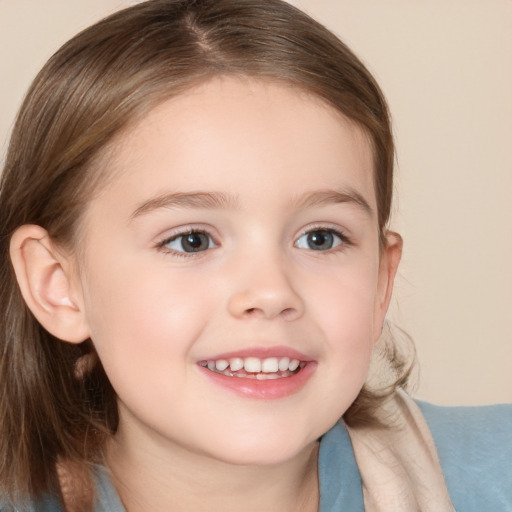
239 131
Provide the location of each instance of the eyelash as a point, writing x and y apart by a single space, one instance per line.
161 245
345 241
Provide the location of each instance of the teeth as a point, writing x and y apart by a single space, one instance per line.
284 363
267 376
236 364
270 365
294 364
252 364
221 365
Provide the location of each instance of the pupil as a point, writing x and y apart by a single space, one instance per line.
320 240
194 242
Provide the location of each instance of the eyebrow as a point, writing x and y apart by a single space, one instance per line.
328 196
220 200
202 200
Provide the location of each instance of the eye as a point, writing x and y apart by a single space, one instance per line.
320 240
191 241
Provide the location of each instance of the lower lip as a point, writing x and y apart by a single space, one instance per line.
270 389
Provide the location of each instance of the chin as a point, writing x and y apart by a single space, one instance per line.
261 449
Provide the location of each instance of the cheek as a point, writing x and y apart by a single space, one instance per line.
140 320
345 312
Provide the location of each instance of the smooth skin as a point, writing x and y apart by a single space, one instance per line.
276 188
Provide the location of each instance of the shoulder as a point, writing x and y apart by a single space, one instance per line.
45 504
107 499
475 450
339 478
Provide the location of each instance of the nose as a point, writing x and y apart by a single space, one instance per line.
264 289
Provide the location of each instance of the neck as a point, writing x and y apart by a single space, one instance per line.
184 481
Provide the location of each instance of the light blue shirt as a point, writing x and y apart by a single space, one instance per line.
475 450
474 446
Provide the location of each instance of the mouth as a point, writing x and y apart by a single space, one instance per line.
270 368
275 375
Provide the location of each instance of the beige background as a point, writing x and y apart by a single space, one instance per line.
446 68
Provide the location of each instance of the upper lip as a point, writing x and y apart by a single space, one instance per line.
262 353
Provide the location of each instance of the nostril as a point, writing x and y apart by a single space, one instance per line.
261 303
289 312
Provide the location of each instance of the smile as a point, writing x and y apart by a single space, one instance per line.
257 373
255 368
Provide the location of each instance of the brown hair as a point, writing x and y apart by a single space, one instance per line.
88 93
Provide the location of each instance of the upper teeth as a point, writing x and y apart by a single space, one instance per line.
254 364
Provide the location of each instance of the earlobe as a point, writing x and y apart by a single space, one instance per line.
45 280
390 259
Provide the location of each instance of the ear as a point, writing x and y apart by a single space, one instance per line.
48 284
388 266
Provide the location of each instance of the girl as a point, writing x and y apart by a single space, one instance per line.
196 268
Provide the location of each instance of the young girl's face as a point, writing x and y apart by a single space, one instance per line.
239 227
